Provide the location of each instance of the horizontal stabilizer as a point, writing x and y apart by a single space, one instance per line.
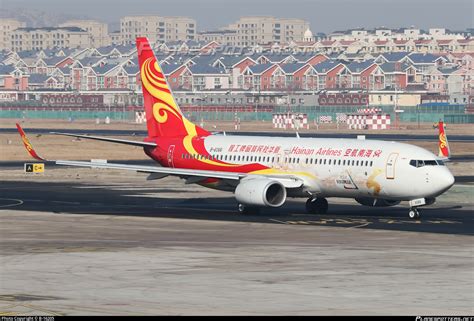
110 140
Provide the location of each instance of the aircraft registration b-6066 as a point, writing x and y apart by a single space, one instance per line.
265 171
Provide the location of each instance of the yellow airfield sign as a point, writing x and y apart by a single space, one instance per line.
36 168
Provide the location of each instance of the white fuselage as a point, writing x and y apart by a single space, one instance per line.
341 167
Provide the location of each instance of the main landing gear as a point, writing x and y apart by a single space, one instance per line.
246 209
413 213
317 206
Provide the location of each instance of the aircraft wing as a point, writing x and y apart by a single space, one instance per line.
288 181
156 169
157 172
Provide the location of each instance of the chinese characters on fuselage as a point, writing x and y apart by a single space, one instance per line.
272 149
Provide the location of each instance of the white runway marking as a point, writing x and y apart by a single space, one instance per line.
17 202
62 202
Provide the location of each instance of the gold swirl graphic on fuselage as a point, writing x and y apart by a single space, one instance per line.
188 144
371 183
274 171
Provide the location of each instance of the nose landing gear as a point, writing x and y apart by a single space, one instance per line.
413 213
317 206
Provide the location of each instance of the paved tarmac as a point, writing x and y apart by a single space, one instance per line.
176 200
163 247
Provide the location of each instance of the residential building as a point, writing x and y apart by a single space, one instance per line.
252 31
157 29
42 38
98 31
6 28
392 98
223 37
208 77
115 37
13 78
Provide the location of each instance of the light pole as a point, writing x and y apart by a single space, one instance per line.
201 99
418 114
227 102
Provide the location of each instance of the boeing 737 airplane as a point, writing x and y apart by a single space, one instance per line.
265 171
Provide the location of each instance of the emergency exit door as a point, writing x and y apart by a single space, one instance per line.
390 168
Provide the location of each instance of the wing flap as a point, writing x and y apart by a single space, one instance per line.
152 169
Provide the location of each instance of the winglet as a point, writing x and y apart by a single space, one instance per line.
443 146
28 146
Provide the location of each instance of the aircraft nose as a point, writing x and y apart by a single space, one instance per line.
446 180
449 179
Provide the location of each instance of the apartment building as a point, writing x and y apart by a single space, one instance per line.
6 28
98 31
43 38
406 34
252 31
157 28
115 37
223 37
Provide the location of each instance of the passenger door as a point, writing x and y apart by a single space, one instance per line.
390 167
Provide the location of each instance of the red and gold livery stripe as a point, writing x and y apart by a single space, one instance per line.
28 146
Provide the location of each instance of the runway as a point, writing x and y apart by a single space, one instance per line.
98 244
145 201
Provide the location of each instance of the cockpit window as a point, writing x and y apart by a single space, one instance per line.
421 163
430 163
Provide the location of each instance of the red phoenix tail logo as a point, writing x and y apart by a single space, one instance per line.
443 146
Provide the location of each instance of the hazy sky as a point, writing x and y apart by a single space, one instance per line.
324 15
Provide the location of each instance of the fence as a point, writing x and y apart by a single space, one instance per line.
47 114
428 113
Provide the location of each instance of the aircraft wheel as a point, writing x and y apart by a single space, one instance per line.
245 209
413 214
317 206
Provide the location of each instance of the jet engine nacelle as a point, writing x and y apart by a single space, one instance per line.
261 192
373 202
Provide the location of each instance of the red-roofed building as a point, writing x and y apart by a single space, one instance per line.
208 48
465 45
338 77
12 78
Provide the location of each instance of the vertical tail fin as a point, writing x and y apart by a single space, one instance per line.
163 116
443 146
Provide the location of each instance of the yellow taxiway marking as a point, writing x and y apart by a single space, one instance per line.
363 222
362 225
35 307
2 313
31 308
